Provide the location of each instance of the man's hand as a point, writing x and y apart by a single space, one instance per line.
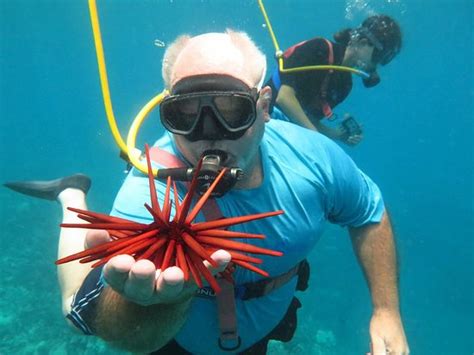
140 282
387 335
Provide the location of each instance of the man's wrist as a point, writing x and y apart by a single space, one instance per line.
387 311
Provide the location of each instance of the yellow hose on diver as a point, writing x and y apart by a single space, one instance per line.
133 153
128 148
279 54
103 76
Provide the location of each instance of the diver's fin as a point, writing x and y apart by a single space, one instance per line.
50 189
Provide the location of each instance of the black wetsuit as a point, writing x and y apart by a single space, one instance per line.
307 84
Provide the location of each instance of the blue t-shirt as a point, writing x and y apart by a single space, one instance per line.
308 176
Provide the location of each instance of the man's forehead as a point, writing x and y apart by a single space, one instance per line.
211 53
209 82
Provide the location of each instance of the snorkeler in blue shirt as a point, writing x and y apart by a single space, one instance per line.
217 107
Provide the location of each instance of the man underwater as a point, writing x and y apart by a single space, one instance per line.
141 309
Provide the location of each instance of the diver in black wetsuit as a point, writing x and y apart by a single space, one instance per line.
307 97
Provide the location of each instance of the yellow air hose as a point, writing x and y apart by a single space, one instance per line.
133 153
127 148
279 54
103 76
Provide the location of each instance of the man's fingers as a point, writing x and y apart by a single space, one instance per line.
222 258
116 271
140 284
378 346
95 238
169 283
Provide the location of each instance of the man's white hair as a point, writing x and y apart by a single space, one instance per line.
251 58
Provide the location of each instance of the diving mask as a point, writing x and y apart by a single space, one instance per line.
209 107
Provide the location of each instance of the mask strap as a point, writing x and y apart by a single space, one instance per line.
364 31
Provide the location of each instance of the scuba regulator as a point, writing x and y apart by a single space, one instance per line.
211 167
372 80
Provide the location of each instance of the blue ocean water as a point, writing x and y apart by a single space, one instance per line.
418 128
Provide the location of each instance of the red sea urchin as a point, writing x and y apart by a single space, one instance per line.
178 241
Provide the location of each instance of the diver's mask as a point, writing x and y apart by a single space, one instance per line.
209 107
210 168
381 54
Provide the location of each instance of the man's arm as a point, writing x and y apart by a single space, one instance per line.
138 328
141 308
375 248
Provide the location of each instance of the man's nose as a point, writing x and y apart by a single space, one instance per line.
210 126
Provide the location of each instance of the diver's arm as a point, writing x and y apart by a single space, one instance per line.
338 133
375 248
291 107
138 328
141 308
333 133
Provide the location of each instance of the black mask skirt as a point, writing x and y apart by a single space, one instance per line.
207 120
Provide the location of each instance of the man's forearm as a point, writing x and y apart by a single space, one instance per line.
137 328
375 248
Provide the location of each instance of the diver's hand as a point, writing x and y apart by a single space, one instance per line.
140 282
348 137
354 139
387 334
345 137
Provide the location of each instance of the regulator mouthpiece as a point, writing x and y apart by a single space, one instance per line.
211 167
372 80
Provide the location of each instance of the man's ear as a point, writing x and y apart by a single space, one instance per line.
264 100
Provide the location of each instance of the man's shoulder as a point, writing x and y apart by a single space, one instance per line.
288 131
287 139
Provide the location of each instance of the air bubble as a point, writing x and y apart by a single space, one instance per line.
159 43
